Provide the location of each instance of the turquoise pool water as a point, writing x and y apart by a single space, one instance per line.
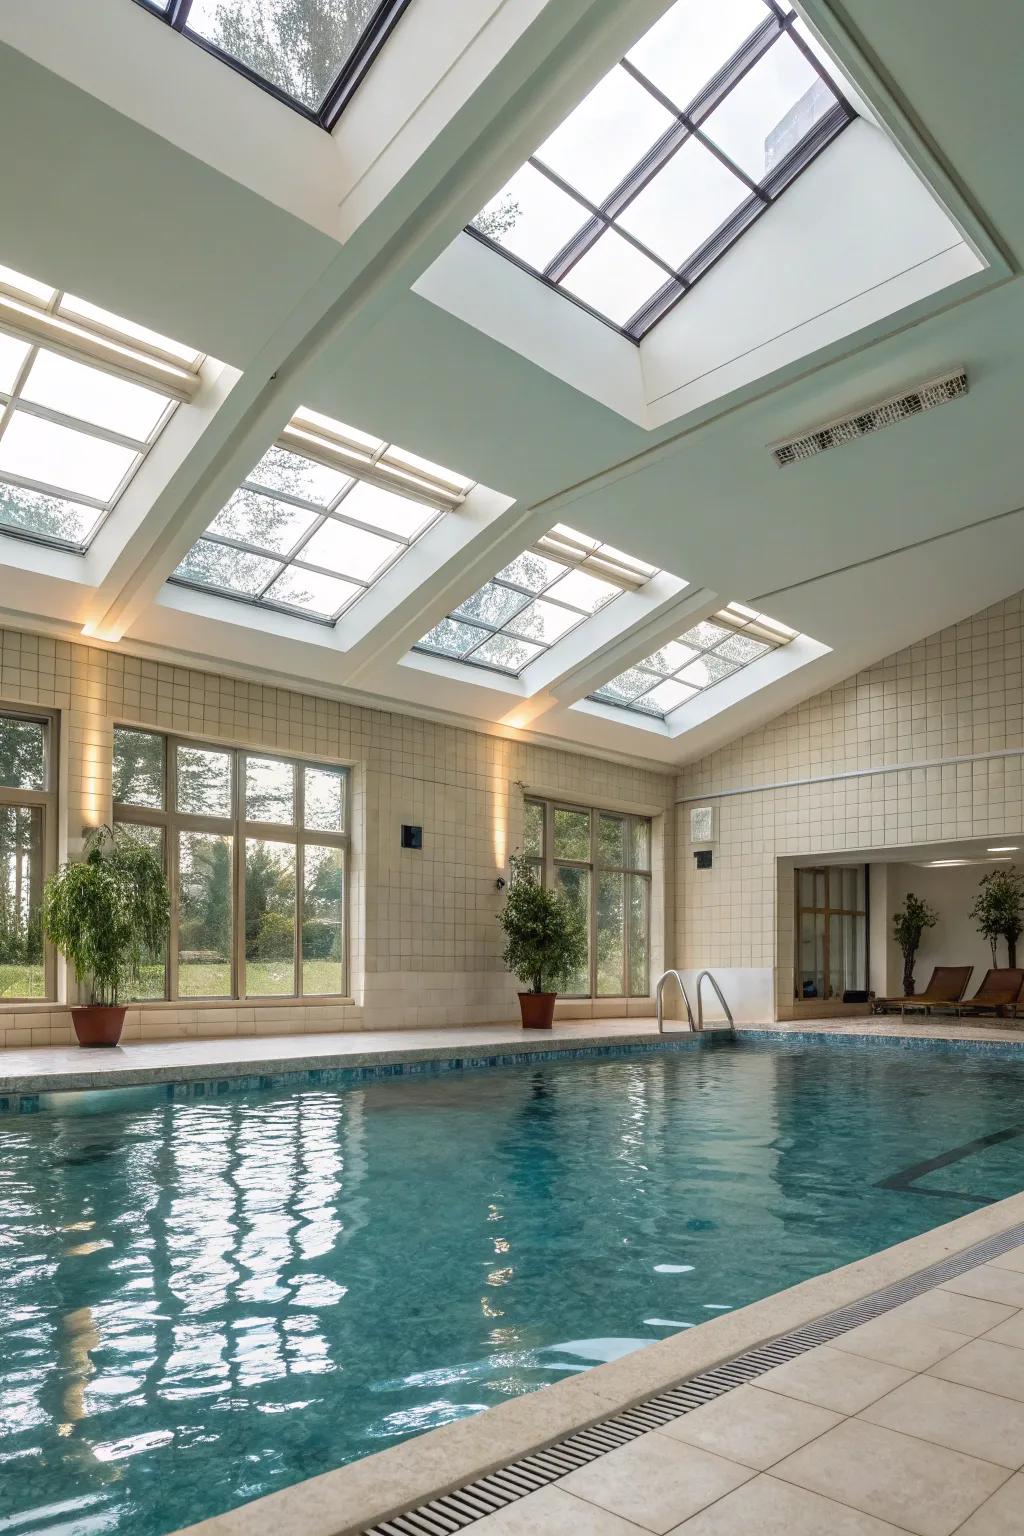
207 1300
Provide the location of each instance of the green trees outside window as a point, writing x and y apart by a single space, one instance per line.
27 848
255 848
600 861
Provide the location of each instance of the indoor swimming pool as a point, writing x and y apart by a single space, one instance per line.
208 1299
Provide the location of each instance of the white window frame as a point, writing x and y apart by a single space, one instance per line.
547 864
44 799
172 822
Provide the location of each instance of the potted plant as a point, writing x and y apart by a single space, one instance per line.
108 915
545 941
908 925
998 910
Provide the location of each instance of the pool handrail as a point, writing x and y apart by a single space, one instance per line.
696 1025
707 976
660 1006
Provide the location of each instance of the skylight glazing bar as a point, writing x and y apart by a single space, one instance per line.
326 512
534 602
82 400
627 242
44 327
704 655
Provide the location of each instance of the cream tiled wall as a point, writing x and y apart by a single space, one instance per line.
925 746
424 944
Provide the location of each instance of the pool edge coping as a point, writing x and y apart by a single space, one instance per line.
473 1052
349 1499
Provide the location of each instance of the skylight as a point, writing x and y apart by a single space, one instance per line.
84 395
536 600
326 511
310 54
712 650
672 156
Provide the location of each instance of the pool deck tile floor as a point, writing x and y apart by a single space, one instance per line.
911 1423
66 1066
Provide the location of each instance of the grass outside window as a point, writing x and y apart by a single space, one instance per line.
255 847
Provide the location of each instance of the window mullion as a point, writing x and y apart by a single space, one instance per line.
300 883
238 914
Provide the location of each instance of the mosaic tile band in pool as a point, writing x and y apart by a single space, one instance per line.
36 1101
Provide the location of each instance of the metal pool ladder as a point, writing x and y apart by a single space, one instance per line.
696 1025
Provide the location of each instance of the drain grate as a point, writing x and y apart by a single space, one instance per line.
464 1506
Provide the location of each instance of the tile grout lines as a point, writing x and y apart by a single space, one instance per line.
473 1501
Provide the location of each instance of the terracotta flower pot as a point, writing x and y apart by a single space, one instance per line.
537 1009
98 1025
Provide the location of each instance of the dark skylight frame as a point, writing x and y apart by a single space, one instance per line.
675 128
337 88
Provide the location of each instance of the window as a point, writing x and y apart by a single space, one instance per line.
708 652
672 156
28 842
83 397
322 516
831 931
310 54
600 860
535 601
255 848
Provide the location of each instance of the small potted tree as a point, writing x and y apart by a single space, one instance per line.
998 910
908 925
108 915
545 942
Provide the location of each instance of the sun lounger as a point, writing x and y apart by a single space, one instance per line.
947 985
998 994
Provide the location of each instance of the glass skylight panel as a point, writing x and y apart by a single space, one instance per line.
669 159
92 396
703 655
535 600
76 415
312 592
32 448
320 518
606 135
311 56
689 44
220 565
613 277
103 320
531 218
18 282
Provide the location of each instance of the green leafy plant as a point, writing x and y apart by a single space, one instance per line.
908 925
108 914
545 938
998 910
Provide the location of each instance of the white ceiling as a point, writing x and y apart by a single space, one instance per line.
152 180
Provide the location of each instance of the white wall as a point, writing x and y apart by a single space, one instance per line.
858 237
954 939
878 929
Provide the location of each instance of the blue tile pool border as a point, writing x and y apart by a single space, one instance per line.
163 1087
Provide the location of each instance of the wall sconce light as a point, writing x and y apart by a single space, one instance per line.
500 882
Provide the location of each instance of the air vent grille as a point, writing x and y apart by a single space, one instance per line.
886 413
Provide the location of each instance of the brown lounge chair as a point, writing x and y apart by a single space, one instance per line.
999 994
947 986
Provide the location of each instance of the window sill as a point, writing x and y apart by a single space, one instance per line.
189 1003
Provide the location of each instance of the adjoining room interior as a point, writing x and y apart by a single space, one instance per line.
511 740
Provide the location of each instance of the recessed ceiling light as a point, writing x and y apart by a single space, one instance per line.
957 863
1007 848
